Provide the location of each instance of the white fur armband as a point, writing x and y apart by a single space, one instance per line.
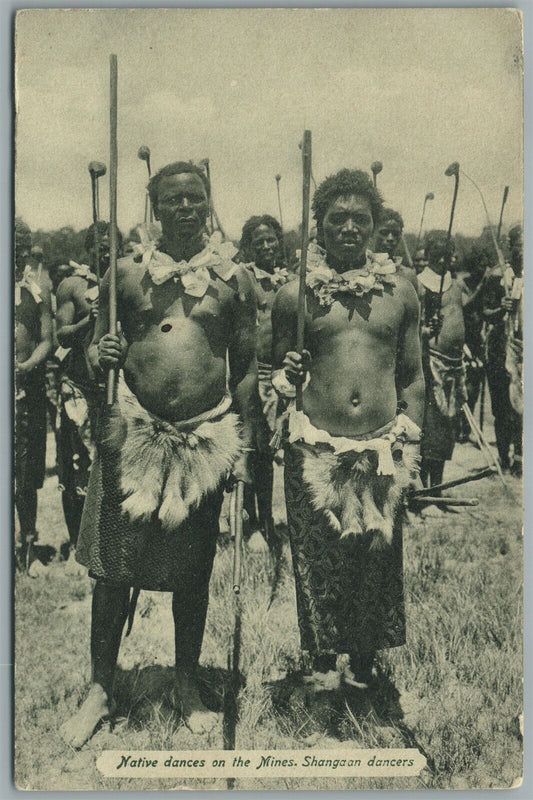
283 386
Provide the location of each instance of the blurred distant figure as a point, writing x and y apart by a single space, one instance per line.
503 314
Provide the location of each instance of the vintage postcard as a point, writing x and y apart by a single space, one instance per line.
268 399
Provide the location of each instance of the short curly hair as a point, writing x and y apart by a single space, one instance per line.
251 225
344 183
390 214
176 168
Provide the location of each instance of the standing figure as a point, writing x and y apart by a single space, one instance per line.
502 310
471 280
443 336
167 445
387 239
350 453
261 247
33 344
79 393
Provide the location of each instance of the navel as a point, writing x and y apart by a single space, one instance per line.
356 401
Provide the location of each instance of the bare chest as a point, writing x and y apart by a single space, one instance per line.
374 317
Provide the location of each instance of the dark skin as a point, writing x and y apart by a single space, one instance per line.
173 352
360 350
448 324
264 251
387 237
75 318
33 344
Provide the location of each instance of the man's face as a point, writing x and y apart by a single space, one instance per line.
347 227
182 205
265 247
103 250
22 249
438 251
60 272
388 235
419 261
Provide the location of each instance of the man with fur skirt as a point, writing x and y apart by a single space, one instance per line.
353 450
166 447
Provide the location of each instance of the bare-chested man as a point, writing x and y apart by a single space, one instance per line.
261 249
443 334
77 309
346 459
33 343
164 449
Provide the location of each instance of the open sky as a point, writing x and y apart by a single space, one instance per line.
415 89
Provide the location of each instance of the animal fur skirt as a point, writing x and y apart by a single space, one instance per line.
345 525
150 518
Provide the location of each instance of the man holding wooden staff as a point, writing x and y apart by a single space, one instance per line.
351 451
79 395
167 445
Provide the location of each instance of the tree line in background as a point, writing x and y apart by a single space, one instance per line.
66 244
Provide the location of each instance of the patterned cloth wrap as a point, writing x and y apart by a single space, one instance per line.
445 395
30 430
155 492
344 514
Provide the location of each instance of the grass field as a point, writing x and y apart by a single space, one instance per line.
454 691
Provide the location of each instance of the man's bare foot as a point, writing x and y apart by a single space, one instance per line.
195 715
96 708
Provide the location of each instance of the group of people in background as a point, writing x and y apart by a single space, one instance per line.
394 347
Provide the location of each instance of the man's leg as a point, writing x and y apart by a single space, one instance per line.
109 613
189 609
26 505
498 382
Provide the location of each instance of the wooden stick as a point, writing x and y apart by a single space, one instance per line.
300 329
236 511
407 253
500 221
482 444
476 476
453 169
96 235
445 501
113 168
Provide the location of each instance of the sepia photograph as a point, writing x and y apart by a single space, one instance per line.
268 399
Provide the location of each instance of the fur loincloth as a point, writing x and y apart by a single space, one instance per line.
358 483
169 467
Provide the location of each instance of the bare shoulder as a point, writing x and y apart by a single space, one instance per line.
69 288
406 291
287 296
130 271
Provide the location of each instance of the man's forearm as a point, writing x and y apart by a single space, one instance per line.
247 405
69 335
40 354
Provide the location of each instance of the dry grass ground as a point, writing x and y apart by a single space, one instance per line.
454 691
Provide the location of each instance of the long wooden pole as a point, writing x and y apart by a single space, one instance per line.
453 169
300 328
113 168
504 200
